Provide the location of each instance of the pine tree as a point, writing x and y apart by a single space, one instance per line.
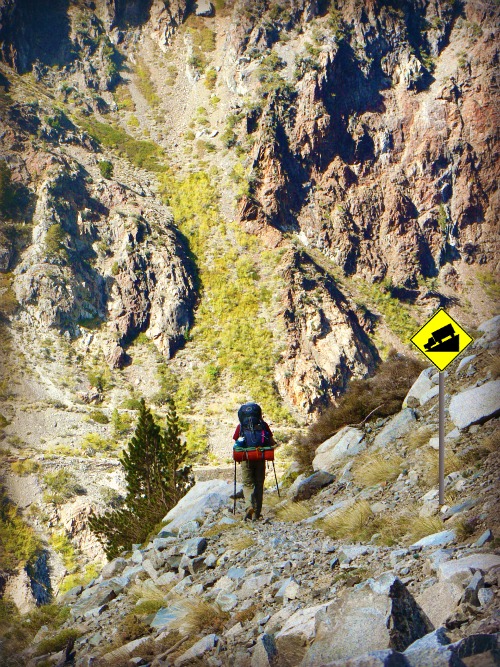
155 481
181 479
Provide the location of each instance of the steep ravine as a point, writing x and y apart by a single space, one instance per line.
254 202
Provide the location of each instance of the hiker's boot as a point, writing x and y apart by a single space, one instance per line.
249 514
256 517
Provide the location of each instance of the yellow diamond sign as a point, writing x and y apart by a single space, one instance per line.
441 339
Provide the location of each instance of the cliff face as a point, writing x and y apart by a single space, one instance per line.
370 133
385 147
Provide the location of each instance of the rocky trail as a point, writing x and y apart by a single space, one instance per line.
344 569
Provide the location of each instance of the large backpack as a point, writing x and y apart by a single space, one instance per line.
255 440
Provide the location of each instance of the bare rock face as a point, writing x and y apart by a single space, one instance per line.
379 615
325 344
378 164
116 261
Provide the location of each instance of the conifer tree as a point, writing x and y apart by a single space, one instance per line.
155 482
181 479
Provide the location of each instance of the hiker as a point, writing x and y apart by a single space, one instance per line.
256 432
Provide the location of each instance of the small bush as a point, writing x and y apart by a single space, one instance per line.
26 467
106 169
99 416
54 239
18 544
62 484
210 78
131 404
386 391
115 269
93 442
58 642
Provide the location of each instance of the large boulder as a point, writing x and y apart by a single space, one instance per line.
395 428
347 442
476 405
197 650
305 488
491 332
462 566
440 601
297 632
204 8
436 650
419 388
211 494
376 615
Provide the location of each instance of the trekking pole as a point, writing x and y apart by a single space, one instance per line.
234 495
275 477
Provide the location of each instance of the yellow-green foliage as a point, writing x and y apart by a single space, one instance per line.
397 314
57 642
123 98
79 578
17 632
210 78
230 328
18 542
430 462
26 467
490 284
145 154
99 416
62 544
145 84
54 238
374 470
93 442
8 301
61 484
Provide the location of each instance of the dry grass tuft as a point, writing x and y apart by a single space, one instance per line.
465 528
271 500
198 615
291 511
240 542
354 522
386 391
492 442
374 470
430 465
418 438
421 526
220 528
149 593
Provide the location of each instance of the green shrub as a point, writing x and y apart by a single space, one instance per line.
145 84
99 416
121 422
100 379
93 442
54 239
115 269
61 486
26 467
228 138
144 154
18 544
57 642
386 391
131 404
106 169
210 78
62 544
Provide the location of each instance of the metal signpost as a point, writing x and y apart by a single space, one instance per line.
441 339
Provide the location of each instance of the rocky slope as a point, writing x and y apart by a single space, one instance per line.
343 565
223 201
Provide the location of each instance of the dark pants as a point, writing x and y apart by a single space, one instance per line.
253 474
